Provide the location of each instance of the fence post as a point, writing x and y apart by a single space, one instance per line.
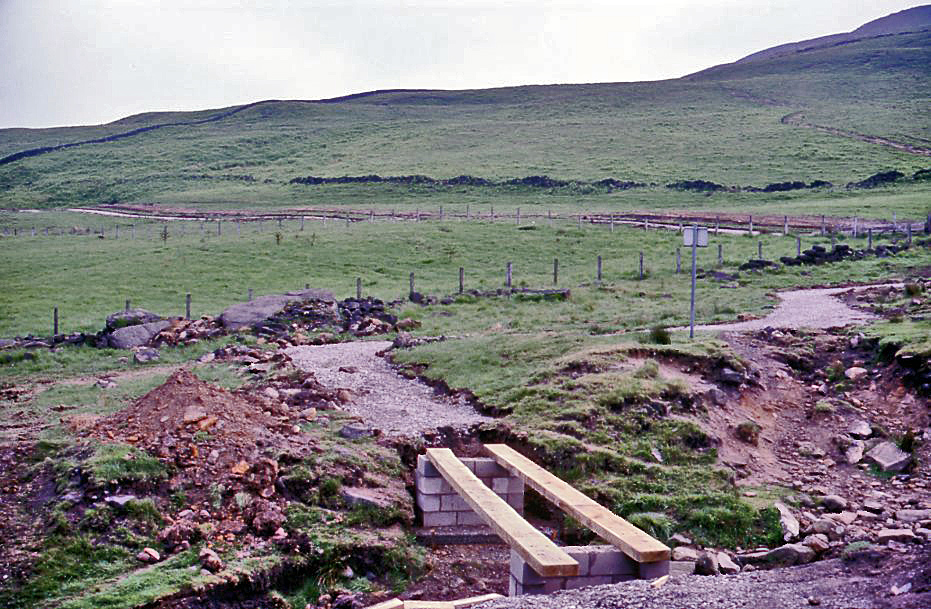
641 265
358 288
116 231
785 226
347 220
833 240
468 212
302 223
187 306
612 222
717 223
555 271
751 226
759 250
441 213
798 246
646 224
127 305
132 231
822 226
250 294
580 221
508 276
492 213
219 228
680 227
869 236
909 228
238 228
518 217
599 269
418 214
202 227
895 224
856 227
55 322
461 279
411 292
720 255
678 260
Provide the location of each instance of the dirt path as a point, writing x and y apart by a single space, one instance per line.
380 396
797 119
815 308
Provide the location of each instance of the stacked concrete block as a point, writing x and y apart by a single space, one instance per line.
598 565
441 506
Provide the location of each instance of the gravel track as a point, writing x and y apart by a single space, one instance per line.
382 398
813 308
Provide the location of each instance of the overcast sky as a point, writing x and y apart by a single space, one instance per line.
71 62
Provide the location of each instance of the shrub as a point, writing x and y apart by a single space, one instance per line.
660 335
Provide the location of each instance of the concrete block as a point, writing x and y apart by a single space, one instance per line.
522 572
433 486
521 589
516 501
606 560
499 485
652 570
469 519
582 555
439 519
487 468
583 582
469 462
428 503
426 468
512 586
453 503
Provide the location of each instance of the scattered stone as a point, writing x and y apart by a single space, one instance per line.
913 515
210 560
854 373
817 542
902 535
783 556
193 414
871 505
854 452
726 565
136 336
707 564
148 555
860 429
788 522
888 457
731 376
684 553
680 539
900 589
119 501
807 449
354 431
144 355
834 503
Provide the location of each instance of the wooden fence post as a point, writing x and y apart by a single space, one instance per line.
55 322
641 265
127 305
785 226
798 246
187 306
518 217
555 271
822 226
678 260
717 222
250 294
599 269
750 232
508 276
116 231
461 279
411 281
358 288
869 236
219 228
720 255
302 223
759 250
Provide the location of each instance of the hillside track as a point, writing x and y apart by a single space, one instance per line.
797 119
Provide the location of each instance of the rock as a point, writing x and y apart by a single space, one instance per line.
788 522
783 556
871 505
119 501
913 515
826 526
239 468
817 542
716 396
193 414
265 517
132 317
684 553
731 376
888 457
210 560
855 372
808 449
136 336
271 392
144 355
354 432
845 518
344 396
680 539
923 532
402 340
407 324
262 476
148 555
834 503
707 564
179 533
854 452
903 535
259 309
860 429
309 413
726 565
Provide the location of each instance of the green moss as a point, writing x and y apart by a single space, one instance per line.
123 464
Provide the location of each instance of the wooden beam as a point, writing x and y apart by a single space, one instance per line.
428 605
612 528
464 603
394 603
535 548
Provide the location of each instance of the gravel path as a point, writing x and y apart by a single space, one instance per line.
381 397
815 308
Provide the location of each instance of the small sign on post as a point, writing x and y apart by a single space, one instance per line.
694 237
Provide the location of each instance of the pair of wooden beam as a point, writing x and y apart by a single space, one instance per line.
464 603
534 547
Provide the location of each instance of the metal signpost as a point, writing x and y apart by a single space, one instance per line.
694 237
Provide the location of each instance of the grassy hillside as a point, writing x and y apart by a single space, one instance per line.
721 125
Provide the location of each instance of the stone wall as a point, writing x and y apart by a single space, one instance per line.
598 565
441 506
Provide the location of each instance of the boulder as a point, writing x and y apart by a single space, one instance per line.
855 373
210 560
148 555
854 452
827 526
860 429
144 355
888 457
259 309
707 564
903 535
136 336
834 503
684 553
119 501
783 556
132 317
788 522
355 431
817 542
913 515
726 565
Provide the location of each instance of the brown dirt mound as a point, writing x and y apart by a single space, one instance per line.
208 431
